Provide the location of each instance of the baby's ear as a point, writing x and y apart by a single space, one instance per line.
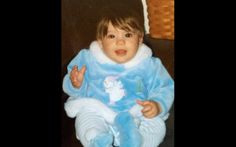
100 43
141 39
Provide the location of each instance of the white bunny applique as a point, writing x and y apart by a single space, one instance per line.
114 88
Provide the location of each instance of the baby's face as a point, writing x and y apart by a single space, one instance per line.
120 45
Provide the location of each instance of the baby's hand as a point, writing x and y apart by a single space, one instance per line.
150 108
77 76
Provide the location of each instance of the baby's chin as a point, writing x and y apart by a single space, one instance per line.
122 60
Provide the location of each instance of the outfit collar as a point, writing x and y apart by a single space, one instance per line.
142 53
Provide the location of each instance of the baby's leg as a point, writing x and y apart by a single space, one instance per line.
153 131
92 130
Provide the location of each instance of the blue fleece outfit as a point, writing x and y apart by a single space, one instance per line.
117 87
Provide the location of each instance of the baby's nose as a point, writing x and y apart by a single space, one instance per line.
120 41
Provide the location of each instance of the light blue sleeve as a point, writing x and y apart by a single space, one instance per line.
79 60
160 86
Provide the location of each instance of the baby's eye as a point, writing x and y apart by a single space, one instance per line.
128 35
110 36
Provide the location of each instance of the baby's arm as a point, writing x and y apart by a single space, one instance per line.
160 86
74 83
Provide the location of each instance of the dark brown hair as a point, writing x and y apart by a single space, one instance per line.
126 20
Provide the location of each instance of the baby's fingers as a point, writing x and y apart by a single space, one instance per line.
147 108
75 68
74 72
142 103
149 114
83 69
81 73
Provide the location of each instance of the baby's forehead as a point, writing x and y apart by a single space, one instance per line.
119 28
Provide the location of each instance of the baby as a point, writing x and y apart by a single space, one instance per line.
119 94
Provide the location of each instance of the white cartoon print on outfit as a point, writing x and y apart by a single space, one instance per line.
114 88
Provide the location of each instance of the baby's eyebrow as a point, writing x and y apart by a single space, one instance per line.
132 32
110 31
124 31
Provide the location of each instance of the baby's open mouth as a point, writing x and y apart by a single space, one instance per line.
120 52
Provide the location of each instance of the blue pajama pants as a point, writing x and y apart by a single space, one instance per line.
94 118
